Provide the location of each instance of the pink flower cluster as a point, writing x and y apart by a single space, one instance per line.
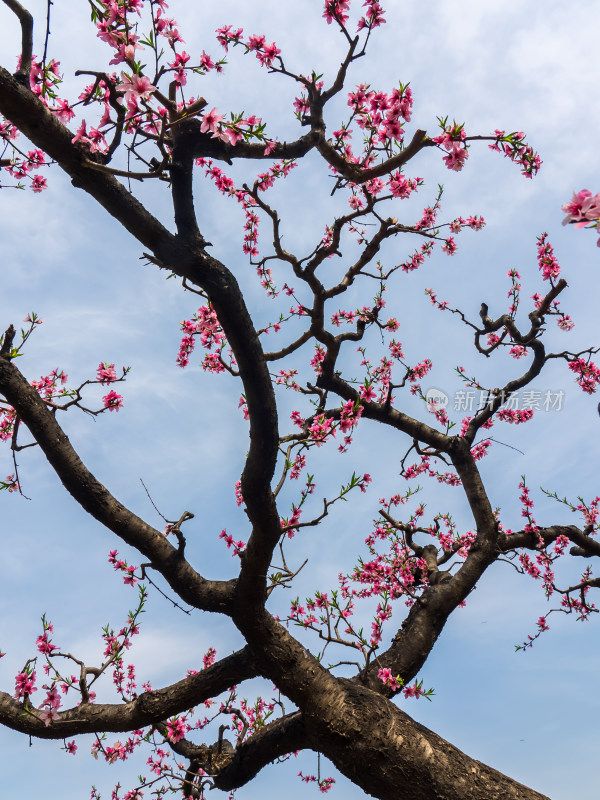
20 167
208 659
583 209
50 705
591 512
10 483
380 115
400 186
205 325
373 17
514 415
518 351
513 146
588 374
452 139
565 323
238 547
298 465
289 525
323 427
176 729
136 88
547 262
231 132
265 53
527 508
336 11
122 566
106 374
418 257
112 401
254 716
480 449
476 223
43 643
395 683
325 784
49 386
24 684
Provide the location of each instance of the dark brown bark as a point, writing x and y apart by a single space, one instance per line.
379 748
394 758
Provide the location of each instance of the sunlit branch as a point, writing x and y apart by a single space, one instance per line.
26 21
98 501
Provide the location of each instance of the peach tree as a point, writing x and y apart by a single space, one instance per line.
315 360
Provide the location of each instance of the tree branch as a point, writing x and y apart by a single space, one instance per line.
147 709
100 503
284 735
26 21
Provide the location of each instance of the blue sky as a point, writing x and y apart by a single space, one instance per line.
527 68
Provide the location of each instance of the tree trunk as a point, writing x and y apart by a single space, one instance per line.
392 757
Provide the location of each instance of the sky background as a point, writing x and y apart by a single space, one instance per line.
531 715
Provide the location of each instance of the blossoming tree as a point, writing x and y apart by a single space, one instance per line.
335 682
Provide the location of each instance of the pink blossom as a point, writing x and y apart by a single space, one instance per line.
125 52
44 645
547 261
230 134
24 684
449 246
414 690
38 184
176 729
476 222
48 715
583 208
106 373
336 10
225 35
210 122
400 186
138 87
565 323
367 394
206 62
178 65
588 374
514 415
267 53
374 16
36 157
81 133
208 659
386 677
518 351
5 433
456 158
113 401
